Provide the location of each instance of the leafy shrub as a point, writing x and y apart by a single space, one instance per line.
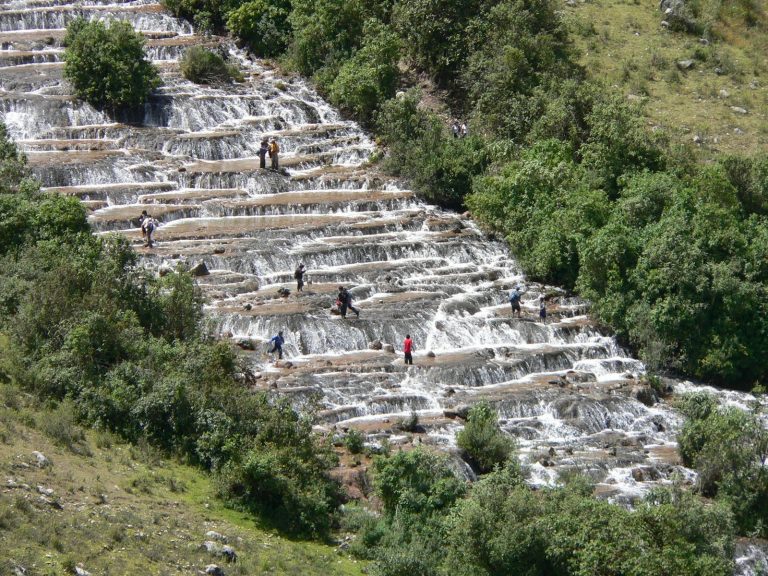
263 25
204 66
483 443
354 441
106 65
415 482
728 448
368 78
61 427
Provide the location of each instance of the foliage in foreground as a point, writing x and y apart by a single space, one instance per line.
107 65
728 447
80 321
502 527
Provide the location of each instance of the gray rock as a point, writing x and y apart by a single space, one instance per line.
430 354
375 345
283 292
213 570
686 64
211 547
389 348
644 395
199 269
723 93
697 139
213 535
719 71
164 271
229 553
219 250
738 109
45 491
42 461
703 41
81 571
738 131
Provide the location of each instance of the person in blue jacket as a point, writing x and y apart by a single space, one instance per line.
277 345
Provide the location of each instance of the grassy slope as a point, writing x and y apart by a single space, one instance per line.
622 42
125 510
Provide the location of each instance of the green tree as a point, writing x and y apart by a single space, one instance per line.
484 444
263 25
106 64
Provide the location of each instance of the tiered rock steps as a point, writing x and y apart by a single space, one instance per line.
191 162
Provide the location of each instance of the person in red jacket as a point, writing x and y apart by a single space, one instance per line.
407 348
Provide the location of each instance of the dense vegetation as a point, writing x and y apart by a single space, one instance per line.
434 525
82 322
204 66
672 253
106 64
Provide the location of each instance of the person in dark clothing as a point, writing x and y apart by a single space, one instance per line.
277 345
274 151
514 300
407 349
299 275
263 154
345 299
542 309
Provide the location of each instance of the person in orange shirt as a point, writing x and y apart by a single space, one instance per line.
274 151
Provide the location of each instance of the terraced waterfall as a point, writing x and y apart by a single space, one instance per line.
565 389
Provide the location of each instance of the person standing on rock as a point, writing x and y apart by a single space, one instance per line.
263 150
542 309
277 345
299 275
274 151
345 298
148 226
514 300
407 349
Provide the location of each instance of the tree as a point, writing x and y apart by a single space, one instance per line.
263 25
484 444
106 64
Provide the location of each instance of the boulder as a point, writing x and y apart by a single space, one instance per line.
213 535
375 345
677 15
389 348
644 395
41 460
199 269
283 292
247 307
219 250
430 354
738 109
686 64
213 570
80 571
229 553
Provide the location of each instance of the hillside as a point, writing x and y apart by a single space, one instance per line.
114 508
719 103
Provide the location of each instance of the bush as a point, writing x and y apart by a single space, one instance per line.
263 25
203 66
483 443
106 65
354 441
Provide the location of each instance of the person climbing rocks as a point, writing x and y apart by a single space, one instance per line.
148 226
263 150
299 275
274 151
542 309
514 300
455 128
276 345
345 302
464 130
407 349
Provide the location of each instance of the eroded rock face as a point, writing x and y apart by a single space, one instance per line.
564 389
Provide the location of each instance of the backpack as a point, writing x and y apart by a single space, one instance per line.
514 297
297 274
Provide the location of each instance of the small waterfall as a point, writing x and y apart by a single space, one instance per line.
563 388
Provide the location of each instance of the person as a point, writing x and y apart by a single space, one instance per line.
263 154
277 345
542 309
148 226
407 349
345 300
514 300
464 130
274 151
455 128
299 275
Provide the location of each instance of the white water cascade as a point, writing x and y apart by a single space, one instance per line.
564 389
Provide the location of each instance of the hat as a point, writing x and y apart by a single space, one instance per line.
301 265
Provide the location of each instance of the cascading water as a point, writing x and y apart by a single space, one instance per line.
564 389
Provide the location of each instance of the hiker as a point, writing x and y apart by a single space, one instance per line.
148 226
514 300
464 130
274 151
263 154
299 275
407 348
455 128
542 309
277 345
345 301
